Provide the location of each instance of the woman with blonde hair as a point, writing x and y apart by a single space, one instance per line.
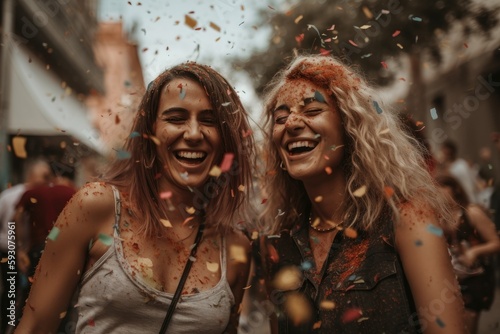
159 229
356 222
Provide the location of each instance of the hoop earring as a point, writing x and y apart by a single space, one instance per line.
281 165
150 165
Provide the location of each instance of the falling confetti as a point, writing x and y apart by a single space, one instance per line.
241 188
384 65
215 171
227 161
166 222
191 210
434 114
33 200
351 314
166 195
415 18
155 140
377 107
319 97
190 22
19 144
350 233
318 199
360 192
122 154
288 278
396 33
54 233
214 27
327 305
328 170
298 308
297 20
366 55
388 191
237 254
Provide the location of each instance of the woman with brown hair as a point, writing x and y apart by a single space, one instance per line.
356 221
473 240
160 227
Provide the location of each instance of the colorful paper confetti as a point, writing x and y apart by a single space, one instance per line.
435 230
54 233
434 114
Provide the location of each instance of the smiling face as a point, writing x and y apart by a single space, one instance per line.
187 129
307 131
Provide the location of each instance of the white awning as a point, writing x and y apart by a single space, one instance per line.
39 105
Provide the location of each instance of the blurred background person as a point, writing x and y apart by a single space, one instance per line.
458 168
472 243
37 172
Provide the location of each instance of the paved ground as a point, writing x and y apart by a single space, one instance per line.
489 322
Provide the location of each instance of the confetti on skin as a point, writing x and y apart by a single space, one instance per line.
184 175
318 199
182 93
440 322
350 233
190 22
264 200
105 239
327 305
328 170
434 114
122 154
377 107
135 134
227 161
54 233
19 143
237 254
396 33
166 222
418 243
384 65
316 222
435 230
215 171
335 147
319 97
351 315
214 27
360 192
213 267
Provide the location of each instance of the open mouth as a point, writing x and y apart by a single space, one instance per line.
302 146
190 157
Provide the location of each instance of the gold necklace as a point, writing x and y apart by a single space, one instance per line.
322 230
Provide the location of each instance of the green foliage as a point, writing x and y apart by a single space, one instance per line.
366 32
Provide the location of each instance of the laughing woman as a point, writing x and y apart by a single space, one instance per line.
125 245
356 221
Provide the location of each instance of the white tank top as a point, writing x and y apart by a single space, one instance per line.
112 299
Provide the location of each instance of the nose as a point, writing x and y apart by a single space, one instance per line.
294 123
193 132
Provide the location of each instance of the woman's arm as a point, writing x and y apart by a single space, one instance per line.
237 274
486 231
427 265
64 257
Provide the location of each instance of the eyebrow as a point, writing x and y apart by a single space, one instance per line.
179 109
307 100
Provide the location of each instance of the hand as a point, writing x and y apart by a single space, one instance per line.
23 261
468 258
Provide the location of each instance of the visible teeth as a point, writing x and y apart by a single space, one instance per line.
303 143
190 155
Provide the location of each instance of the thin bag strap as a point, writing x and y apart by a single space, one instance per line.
182 281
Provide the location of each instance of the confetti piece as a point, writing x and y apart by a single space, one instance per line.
383 132
318 199
225 104
288 278
4 259
255 235
190 22
62 314
155 140
365 26
227 161
215 171
306 265
418 243
351 314
434 114
327 305
360 192
316 222
366 55
187 220
105 239
184 175
415 18
396 33
237 254
166 195
399 46
297 20
435 230
328 170
331 28
214 26
264 200
350 233
54 233
213 266
363 319
122 154
377 107
466 45
319 97
352 42
241 188
388 191
298 308
166 222
247 287
440 322
367 13
384 64
33 200
135 134
91 322
272 253
182 93
316 136
191 210
317 325
19 144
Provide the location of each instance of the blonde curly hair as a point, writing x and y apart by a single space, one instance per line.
379 154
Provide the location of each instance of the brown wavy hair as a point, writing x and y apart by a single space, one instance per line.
139 175
378 153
